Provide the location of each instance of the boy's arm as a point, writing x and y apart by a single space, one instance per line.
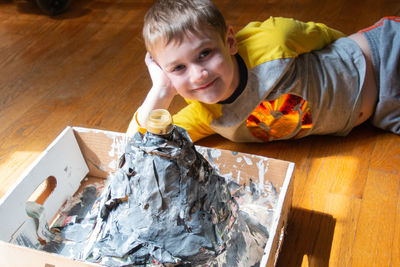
307 36
194 118
278 38
159 96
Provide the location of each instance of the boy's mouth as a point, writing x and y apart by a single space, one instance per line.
205 86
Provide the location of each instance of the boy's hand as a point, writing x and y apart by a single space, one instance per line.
160 80
159 96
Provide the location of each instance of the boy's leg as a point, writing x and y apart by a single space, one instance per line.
384 41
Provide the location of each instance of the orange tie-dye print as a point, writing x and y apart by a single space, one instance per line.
279 118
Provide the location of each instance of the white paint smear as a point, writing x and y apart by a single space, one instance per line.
216 153
248 160
117 146
262 170
112 165
238 177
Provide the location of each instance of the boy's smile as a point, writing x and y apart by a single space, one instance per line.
205 86
202 66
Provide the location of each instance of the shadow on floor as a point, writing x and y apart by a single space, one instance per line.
308 233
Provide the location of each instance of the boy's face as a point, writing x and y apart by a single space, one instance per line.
202 67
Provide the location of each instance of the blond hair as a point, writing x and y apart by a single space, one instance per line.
169 20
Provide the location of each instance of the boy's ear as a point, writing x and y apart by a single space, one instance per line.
231 40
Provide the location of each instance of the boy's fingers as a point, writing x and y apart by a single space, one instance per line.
151 63
148 57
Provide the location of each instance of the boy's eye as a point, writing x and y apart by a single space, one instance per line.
178 68
205 53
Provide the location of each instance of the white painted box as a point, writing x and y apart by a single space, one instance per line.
79 156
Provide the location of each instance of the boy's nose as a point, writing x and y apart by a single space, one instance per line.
198 73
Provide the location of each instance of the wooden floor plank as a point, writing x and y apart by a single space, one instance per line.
345 211
395 259
376 228
386 154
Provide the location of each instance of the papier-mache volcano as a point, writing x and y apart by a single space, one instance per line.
167 205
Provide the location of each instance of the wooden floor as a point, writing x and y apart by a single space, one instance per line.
85 68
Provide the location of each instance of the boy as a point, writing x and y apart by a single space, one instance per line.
276 79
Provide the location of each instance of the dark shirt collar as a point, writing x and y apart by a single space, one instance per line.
242 81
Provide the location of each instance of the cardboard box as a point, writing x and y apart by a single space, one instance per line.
81 155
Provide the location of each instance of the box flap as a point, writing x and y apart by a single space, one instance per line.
61 160
101 149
